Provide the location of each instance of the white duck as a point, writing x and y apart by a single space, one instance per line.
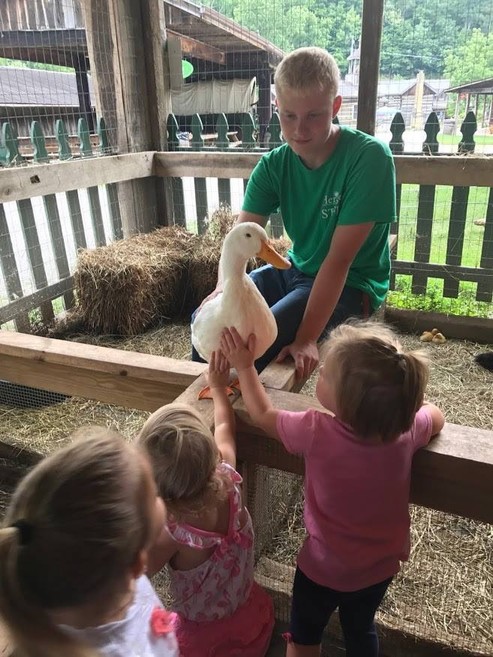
240 304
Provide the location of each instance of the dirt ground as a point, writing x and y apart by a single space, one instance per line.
445 592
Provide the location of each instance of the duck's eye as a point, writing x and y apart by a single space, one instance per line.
248 234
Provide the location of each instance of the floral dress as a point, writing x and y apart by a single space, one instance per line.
221 610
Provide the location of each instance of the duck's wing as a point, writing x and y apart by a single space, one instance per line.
207 327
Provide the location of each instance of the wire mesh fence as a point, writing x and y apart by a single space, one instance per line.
57 63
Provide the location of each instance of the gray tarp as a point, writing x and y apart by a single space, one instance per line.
215 96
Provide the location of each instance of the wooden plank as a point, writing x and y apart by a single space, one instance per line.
371 35
96 216
422 246
199 49
58 244
134 124
20 307
205 164
485 290
24 182
19 183
10 272
467 171
455 238
129 379
34 254
454 473
453 170
201 204
447 272
159 95
114 208
76 222
224 191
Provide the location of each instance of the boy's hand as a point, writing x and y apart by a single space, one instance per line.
218 374
239 353
305 356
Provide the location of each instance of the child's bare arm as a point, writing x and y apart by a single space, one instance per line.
240 355
224 418
161 552
437 418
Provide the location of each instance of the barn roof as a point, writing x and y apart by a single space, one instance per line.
479 87
30 87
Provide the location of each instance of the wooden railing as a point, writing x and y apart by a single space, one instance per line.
47 177
62 223
453 474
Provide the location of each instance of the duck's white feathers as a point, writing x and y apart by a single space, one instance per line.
240 304
251 315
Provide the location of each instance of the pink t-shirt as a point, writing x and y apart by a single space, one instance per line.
356 498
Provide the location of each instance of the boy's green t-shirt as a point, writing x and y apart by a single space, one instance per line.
356 185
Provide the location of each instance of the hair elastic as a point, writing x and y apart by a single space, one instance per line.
25 530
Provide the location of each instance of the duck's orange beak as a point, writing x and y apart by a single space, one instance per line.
271 256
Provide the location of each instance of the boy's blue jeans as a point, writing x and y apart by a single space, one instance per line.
286 292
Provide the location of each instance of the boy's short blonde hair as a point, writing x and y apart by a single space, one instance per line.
306 69
378 388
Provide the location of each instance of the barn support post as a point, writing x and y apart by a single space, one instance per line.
264 77
371 36
126 44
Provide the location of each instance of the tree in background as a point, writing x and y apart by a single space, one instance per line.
417 34
473 60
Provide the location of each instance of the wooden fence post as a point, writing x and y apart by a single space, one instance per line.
125 42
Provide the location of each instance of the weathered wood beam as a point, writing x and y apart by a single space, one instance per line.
17 183
371 35
205 165
129 379
465 170
454 473
451 171
199 49
15 308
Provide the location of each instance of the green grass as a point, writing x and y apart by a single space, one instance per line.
433 300
473 235
479 140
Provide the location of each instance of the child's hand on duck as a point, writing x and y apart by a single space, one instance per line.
239 353
218 374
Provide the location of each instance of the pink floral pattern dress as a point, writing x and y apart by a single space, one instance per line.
221 610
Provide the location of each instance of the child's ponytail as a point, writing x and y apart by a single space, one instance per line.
33 632
415 380
74 528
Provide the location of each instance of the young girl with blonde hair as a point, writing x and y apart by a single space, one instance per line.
207 542
73 552
357 475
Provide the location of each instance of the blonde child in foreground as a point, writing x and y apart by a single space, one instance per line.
73 552
207 542
357 476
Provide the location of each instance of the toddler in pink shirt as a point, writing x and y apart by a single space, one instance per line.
358 459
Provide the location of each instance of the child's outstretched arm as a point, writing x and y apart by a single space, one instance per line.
437 418
240 355
224 418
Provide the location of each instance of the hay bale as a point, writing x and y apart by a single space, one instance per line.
204 262
127 286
